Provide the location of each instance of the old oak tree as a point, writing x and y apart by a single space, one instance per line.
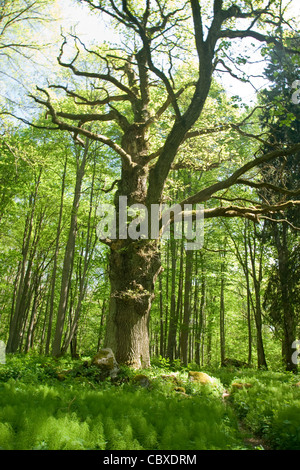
144 112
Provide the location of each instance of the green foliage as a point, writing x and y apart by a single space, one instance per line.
271 407
58 418
38 411
60 404
162 362
285 432
32 368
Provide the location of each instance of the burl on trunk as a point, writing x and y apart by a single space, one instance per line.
134 267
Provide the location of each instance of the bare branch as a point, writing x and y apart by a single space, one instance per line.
146 38
106 77
252 213
209 130
180 165
111 187
198 26
82 118
272 187
227 33
234 199
276 221
86 101
79 130
206 193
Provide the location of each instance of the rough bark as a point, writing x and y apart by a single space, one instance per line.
134 267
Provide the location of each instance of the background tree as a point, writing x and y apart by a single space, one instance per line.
21 25
282 118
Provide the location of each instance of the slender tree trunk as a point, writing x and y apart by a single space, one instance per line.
102 323
175 306
246 272
257 278
261 359
209 328
243 260
32 321
197 314
222 312
69 256
46 318
56 252
161 320
199 347
185 326
173 320
202 320
166 309
179 306
289 327
18 318
86 255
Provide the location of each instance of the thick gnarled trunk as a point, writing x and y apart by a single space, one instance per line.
134 267
134 264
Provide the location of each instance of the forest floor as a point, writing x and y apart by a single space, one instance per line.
49 404
250 440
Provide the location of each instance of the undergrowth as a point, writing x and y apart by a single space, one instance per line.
61 405
60 417
271 407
